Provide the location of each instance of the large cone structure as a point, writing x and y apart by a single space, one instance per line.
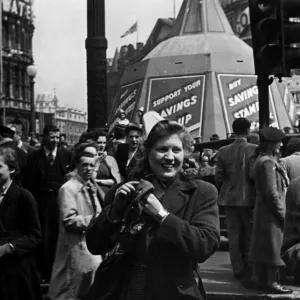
201 77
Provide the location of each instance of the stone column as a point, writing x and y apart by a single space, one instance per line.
96 45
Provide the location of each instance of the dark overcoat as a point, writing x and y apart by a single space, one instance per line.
269 213
122 155
20 226
189 235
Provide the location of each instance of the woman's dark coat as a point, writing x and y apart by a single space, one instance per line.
269 213
20 226
189 235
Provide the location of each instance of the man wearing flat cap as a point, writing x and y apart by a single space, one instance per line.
129 153
271 182
237 195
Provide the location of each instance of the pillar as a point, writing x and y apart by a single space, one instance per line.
96 45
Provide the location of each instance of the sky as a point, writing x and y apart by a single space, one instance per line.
60 33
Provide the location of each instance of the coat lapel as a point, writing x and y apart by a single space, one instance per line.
41 160
178 195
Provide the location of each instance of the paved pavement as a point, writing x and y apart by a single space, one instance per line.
220 284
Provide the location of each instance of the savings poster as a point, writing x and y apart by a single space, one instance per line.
126 100
178 98
239 95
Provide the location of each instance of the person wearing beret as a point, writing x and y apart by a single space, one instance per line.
271 183
128 154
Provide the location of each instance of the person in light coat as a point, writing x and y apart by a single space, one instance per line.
79 202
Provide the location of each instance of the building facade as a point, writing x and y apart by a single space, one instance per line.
17 34
71 121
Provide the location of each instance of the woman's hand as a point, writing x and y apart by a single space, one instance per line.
152 206
122 197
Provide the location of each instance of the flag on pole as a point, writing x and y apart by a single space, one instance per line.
131 30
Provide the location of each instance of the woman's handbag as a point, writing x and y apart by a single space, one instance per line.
108 278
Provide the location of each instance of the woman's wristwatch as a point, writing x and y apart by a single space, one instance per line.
161 215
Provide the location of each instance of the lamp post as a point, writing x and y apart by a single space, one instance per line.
31 71
96 45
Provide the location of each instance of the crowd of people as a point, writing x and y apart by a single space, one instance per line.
131 214
259 192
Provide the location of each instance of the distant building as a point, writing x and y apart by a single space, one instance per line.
17 33
70 121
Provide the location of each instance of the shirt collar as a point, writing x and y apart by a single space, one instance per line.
2 193
47 152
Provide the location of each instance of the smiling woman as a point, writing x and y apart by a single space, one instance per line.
170 223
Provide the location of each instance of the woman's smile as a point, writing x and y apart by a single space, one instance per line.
166 157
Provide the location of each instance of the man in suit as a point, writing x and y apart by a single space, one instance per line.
128 154
46 170
291 163
237 194
17 127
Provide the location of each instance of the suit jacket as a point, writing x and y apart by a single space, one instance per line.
232 174
292 165
122 156
20 226
189 235
35 179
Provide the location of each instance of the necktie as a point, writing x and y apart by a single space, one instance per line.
51 158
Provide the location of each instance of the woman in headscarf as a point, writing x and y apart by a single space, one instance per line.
170 224
270 182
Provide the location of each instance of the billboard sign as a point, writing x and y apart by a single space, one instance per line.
126 100
239 98
178 98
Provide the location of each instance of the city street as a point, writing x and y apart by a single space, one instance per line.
220 284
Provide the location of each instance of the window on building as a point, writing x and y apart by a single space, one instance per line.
23 84
13 36
5 81
18 37
23 39
15 83
5 34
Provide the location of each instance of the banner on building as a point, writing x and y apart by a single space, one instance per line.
239 98
179 99
126 100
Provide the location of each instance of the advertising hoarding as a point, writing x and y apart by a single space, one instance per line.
178 98
126 100
239 98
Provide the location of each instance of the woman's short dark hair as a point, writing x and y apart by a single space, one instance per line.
293 145
80 150
9 157
241 126
161 130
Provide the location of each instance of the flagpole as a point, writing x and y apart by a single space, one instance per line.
174 9
137 33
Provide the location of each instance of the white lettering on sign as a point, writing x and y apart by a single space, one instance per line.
18 7
247 111
184 120
192 86
243 96
129 98
235 84
178 106
167 97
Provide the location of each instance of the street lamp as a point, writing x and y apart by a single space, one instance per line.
31 71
